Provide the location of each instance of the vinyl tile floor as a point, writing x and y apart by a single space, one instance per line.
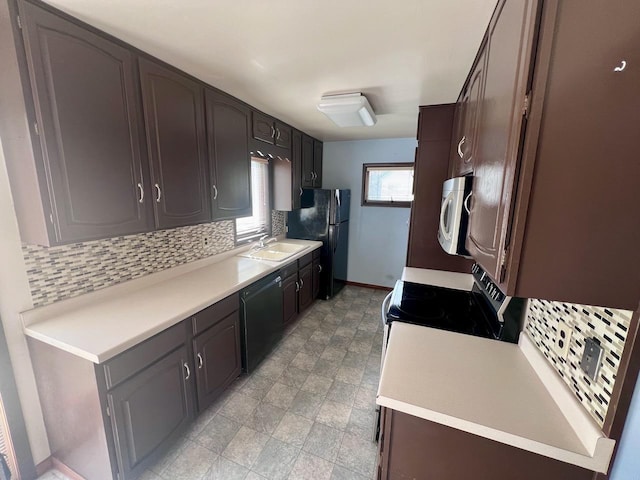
306 412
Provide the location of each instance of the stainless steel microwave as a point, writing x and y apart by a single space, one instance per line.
454 214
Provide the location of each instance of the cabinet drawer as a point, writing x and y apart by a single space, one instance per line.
306 260
216 312
288 270
139 357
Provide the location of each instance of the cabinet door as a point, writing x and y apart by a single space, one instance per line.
317 270
151 410
85 91
305 295
283 135
317 163
457 455
296 166
218 360
464 143
307 162
290 299
228 124
498 131
174 116
262 128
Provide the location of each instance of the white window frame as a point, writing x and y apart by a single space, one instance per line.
249 229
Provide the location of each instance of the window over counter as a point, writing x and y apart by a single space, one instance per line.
251 228
387 184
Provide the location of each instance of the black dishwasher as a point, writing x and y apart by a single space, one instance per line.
262 328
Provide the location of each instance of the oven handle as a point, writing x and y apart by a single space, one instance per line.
385 307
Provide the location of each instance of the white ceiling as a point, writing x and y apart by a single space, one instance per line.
281 56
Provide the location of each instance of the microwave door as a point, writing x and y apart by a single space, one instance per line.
446 217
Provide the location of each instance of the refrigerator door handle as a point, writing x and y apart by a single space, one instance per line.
336 237
338 197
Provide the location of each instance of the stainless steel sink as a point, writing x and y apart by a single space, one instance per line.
274 252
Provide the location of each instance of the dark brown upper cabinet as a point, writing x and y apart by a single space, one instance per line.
554 187
92 174
228 124
464 138
267 129
498 129
317 163
287 186
176 141
308 175
430 171
311 162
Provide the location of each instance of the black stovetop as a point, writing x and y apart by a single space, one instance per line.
444 308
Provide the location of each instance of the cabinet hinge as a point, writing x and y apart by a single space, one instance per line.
525 105
19 22
108 412
36 129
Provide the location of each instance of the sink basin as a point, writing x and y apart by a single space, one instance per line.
274 252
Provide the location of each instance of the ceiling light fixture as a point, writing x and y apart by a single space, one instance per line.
348 110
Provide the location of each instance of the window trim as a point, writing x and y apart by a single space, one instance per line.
365 183
252 237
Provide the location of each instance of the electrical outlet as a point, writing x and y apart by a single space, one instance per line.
563 338
206 241
591 358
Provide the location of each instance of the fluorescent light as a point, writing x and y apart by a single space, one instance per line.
348 110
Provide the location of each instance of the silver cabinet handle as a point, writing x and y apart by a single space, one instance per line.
277 134
301 283
300 191
200 361
297 287
141 199
186 368
215 192
466 203
158 193
319 268
460 143
273 132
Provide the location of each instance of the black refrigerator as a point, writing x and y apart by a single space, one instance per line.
324 216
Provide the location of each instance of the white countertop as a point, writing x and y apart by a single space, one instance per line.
488 388
106 323
438 278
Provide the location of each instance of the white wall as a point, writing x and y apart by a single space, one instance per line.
15 297
377 235
627 463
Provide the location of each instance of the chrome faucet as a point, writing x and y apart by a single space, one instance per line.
262 243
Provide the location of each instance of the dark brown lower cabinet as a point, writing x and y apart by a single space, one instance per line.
414 448
305 296
317 270
111 421
150 410
218 358
290 287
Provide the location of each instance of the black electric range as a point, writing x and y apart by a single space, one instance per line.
473 312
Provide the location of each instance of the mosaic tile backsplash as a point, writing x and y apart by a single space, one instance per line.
57 273
608 326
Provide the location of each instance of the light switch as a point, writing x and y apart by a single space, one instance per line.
591 358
